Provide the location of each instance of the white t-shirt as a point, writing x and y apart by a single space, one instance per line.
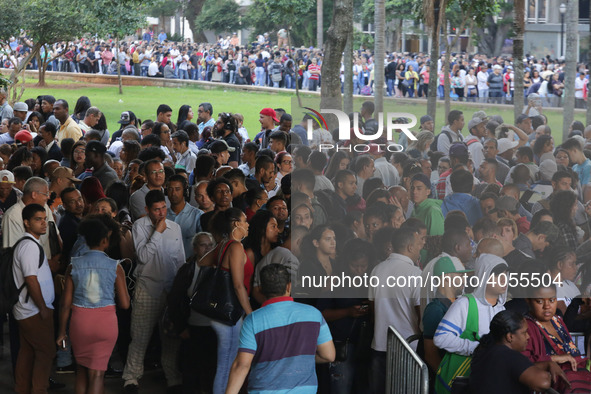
26 263
579 84
482 79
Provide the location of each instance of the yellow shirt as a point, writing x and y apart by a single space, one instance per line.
69 129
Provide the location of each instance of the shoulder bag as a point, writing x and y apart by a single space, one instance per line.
214 294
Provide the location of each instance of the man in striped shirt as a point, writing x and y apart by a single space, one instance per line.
281 342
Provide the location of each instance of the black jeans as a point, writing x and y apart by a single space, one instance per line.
198 360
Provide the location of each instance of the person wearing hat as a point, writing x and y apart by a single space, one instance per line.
267 119
221 151
495 84
427 124
68 127
477 130
506 151
128 118
446 272
226 128
425 208
24 138
95 158
9 195
20 110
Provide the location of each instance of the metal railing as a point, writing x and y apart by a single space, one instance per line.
406 373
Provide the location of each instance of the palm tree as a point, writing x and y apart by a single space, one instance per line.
379 51
518 28
570 69
319 23
433 11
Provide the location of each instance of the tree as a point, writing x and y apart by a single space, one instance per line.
433 11
570 69
272 15
319 23
336 38
219 16
491 35
126 23
164 9
518 70
379 51
589 83
348 69
193 9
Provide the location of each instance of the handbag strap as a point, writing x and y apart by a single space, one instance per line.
223 250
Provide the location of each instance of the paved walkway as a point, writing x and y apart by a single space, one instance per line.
153 381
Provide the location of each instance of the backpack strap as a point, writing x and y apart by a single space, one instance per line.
447 133
471 330
41 258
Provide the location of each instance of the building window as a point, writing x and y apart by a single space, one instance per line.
536 11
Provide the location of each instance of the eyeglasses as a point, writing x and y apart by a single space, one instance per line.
45 194
287 162
161 171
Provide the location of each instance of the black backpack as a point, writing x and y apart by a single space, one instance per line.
433 145
9 293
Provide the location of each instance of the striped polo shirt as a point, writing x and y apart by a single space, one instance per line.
283 336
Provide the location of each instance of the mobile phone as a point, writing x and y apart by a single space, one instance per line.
364 307
63 343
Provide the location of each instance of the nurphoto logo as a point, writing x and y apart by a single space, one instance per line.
345 130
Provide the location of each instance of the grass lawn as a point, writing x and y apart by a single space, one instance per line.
143 101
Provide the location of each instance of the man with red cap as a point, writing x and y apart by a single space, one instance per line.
24 138
267 119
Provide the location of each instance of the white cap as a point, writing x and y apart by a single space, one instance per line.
6 177
505 144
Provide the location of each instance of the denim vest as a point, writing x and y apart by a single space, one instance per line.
94 275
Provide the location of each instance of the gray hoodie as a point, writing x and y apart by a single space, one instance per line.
453 324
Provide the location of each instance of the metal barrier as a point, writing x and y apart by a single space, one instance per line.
406 373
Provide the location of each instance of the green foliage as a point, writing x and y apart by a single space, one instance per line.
361 39
395 9
219 16
272 15
163 7
125 23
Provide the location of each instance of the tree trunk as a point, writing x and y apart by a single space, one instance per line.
518 28
348 63
470 43
571 19
379 51
448 46
119 70
17 83
320 23
589 61
297 76
193 9
433 77
336 38
177 22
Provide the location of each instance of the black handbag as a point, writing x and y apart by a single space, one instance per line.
54 243
214 294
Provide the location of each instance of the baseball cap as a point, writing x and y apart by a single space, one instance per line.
422 178
270 112
65 172
505 144
426 118
220 146
6 176
23 136
481 115
20 106
96 147
475 122
507 203
458 149
125 118
446 266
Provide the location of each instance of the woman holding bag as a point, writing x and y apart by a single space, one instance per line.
229 228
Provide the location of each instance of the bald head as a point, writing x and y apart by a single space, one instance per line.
490 246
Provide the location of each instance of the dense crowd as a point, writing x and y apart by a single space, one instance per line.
267 62
206 233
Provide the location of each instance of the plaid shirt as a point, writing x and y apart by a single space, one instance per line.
441 183
569 235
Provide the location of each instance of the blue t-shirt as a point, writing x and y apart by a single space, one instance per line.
283 336
584 171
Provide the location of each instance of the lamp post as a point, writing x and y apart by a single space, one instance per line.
562 9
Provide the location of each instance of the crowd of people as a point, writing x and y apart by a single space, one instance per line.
274 63
113 234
